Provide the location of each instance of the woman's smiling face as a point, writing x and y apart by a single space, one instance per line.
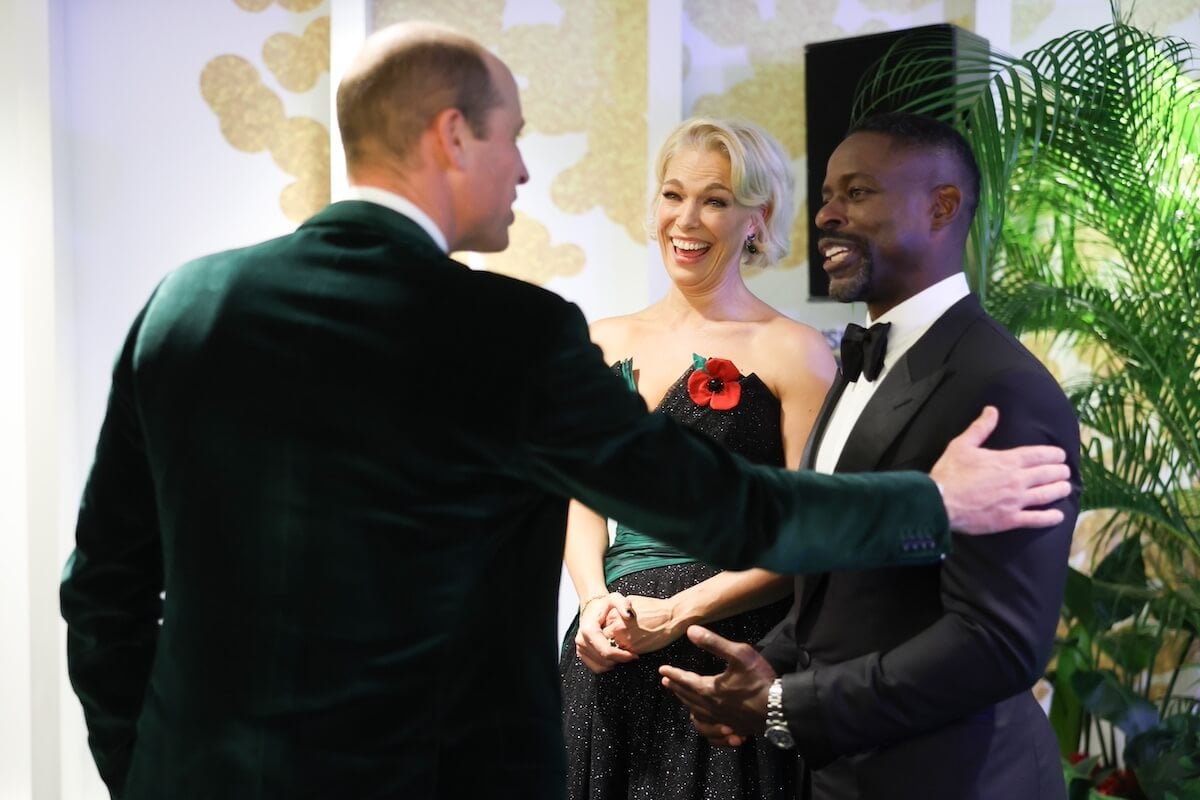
701 227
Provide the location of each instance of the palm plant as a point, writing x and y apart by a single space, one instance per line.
1088 235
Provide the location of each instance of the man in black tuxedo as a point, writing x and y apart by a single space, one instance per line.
318 553
911 683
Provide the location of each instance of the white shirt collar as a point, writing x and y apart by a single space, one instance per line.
923 308
401 205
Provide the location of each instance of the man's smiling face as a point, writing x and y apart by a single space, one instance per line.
874 225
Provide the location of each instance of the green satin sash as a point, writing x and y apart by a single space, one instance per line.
632 551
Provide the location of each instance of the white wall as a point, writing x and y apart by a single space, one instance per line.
29 659
153 183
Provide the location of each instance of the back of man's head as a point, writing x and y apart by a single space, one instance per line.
926 134
405 75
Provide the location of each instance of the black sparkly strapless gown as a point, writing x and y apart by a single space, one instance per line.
627 737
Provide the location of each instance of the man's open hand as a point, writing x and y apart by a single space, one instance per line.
728 707
987 491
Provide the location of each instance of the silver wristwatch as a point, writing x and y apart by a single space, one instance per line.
777 732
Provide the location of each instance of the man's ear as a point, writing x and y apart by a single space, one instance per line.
947 202
448 131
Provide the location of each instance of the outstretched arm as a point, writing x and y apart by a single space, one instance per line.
673 484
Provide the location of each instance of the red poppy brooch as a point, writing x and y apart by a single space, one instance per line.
715 382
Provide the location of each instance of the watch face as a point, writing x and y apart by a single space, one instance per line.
780 736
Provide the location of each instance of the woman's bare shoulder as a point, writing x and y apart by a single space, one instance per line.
791 342
617 335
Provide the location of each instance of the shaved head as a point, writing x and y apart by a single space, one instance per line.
404 76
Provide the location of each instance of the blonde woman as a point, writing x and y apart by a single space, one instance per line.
718 358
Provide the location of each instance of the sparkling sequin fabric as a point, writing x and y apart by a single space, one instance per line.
626 736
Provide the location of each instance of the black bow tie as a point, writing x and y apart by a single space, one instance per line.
863 350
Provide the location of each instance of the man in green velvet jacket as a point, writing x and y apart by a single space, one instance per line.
318 552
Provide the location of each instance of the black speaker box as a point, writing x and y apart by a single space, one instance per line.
833 72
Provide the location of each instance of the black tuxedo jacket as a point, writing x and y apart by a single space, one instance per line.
346 460
914 683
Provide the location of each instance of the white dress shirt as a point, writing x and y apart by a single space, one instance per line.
401 205
910 320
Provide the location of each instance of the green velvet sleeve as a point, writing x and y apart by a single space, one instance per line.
590 439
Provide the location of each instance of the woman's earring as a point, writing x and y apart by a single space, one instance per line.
751 248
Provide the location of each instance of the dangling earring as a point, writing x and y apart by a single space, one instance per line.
751 248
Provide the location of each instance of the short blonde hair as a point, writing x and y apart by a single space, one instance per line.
759 170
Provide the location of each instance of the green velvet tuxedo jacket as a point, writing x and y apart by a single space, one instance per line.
318 552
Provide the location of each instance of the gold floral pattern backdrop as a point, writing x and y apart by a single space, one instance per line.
582 65
252 115
582 71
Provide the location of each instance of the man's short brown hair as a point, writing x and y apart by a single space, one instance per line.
392 101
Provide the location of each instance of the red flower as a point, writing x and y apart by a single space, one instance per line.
716 385
1122 783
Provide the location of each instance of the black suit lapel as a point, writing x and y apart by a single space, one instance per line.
886 415
809 457
806 586
905 389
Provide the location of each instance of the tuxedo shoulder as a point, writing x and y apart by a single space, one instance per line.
1005 373
1001 350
